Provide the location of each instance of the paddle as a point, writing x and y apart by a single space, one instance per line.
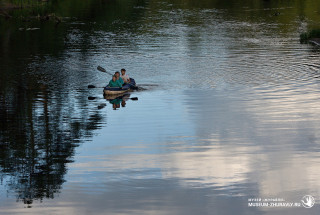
92 86
101 69
93 98
133 98
149 85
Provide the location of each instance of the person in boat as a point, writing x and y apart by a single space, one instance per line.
124 76
119 79
114 82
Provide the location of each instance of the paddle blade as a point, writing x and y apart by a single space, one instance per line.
101 106
101 69
134 98
91 86
149 85
91 98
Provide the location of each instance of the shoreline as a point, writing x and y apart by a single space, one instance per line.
6 9
8 6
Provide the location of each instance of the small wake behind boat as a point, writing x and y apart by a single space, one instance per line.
118 90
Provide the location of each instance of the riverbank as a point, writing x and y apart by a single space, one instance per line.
15 4
18 9
7 6
26 11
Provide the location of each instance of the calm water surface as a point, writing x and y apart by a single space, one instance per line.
232 113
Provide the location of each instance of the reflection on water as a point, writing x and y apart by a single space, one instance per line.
119 100
196 151
232 113
38 139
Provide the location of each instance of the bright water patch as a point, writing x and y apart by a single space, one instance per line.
195 150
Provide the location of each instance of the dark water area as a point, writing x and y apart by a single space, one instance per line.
229 114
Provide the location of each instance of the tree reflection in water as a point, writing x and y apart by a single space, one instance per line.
38 137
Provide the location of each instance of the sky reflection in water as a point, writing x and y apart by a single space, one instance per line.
196 152
208 143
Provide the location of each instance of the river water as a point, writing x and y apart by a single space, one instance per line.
228 118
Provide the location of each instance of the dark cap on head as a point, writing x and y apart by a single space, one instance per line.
123 69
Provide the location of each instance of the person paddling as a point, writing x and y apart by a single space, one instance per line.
119 79
114 82
124 76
